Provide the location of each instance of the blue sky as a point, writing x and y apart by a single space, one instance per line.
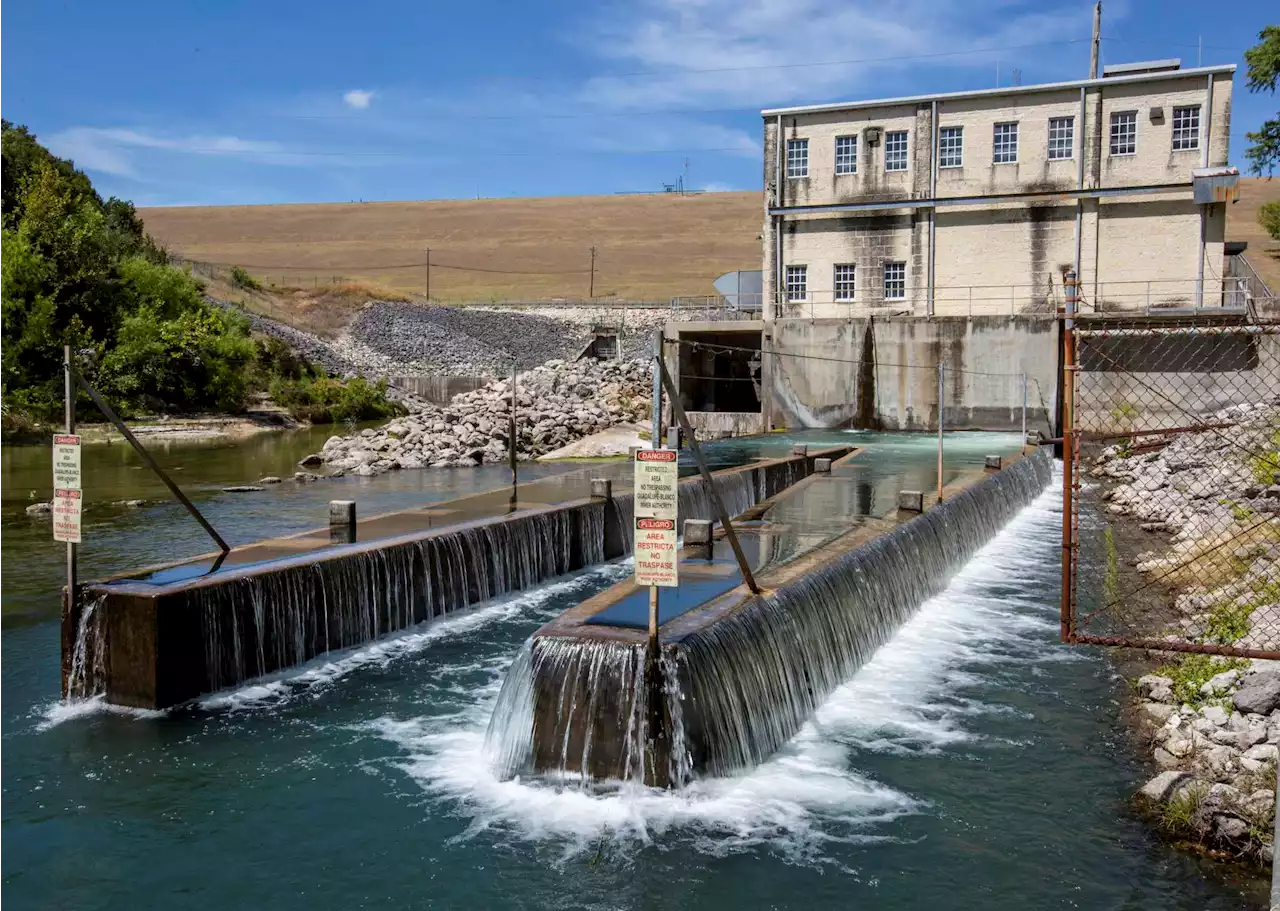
265 102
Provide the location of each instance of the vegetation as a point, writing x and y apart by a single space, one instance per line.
81 270
322 400
1193 671
1263 61
1269 218
242 279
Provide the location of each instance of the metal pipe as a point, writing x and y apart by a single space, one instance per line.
69 394
1068 457
933 192
1080 180
1208 119
151 463
779 200
941 393
511 441
1024 409
1204 209
722 514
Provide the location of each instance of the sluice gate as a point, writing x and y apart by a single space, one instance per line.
161 637
741 673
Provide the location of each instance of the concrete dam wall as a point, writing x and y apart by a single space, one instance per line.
740 673
156 644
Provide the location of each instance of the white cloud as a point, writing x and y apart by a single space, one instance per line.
358 99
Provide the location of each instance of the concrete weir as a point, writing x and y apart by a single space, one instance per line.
741 673
159 637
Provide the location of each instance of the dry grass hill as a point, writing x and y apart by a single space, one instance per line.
1242 224
647 247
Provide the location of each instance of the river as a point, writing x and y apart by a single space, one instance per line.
973 763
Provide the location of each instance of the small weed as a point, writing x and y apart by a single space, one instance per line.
1265 465
1193 672
1177 813
1228 623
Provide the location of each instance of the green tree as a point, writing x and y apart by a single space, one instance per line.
1263 61
1269 218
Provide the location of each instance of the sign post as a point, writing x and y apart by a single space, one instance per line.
67 497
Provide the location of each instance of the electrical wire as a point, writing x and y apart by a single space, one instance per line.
366 268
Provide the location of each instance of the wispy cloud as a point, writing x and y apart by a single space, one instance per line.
113 150
358 99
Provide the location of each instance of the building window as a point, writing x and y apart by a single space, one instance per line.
1062 138
797 158
1186 128
951 147
895 150
895 281
846 154
844 281
1124 133
797 283
1004 148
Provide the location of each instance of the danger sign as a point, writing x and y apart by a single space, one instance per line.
66 515
66 462
655 549
657 474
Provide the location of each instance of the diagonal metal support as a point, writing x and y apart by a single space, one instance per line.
151 463
678 410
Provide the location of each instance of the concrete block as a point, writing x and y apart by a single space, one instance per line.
342 512
911 500
673 437
993 461
602 488
822 465
697 531
799 449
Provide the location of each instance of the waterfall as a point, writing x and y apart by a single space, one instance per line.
86 675
737 688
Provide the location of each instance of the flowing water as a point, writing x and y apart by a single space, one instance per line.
971 762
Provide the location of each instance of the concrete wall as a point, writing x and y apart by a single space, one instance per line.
984 358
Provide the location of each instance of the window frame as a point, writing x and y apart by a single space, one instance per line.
1111 134
943 151
906 151
996 142
851 283
902 282
798 145
1070 121
1193 135
851 158
802 271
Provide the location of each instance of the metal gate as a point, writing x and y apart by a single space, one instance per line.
1171 482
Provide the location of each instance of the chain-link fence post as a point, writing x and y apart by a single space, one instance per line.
1068 453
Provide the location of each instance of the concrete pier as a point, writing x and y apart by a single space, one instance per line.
161 636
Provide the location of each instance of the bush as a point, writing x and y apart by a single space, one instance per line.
1269 218
242 279
322 400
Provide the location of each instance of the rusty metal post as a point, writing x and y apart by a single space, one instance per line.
1068 454
511 442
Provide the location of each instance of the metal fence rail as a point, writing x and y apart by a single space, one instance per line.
1172 429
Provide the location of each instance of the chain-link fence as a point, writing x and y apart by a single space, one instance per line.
1174 488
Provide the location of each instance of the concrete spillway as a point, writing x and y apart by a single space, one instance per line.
740 673
160 637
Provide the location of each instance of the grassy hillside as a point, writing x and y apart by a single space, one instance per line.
1242 224
647 247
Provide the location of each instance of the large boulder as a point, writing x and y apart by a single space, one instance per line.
1163 785
1258 693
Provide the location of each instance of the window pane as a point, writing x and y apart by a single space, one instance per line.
1061 138
895 281
895 151
844 283
797 158
846 154
1005 143
951 147
797 282
1124 133
1186 128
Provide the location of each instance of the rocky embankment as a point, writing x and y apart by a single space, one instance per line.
556 403
1213 723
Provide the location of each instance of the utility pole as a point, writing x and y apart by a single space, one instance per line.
1097 40
591 292
428 273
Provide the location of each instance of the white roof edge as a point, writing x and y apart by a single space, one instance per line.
1003 90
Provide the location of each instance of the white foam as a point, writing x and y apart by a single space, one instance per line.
811 792
56 713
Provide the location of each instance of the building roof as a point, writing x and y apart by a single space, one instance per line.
1005 90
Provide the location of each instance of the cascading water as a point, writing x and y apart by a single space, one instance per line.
86 676
739 687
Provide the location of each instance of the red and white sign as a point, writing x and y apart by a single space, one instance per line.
655 549
66 462
66 515
657 474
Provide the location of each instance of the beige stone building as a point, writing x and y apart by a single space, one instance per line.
976 202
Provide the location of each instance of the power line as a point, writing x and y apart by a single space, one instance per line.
383 268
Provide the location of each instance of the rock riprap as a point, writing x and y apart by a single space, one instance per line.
556 403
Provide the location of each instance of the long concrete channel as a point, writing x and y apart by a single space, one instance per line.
161 636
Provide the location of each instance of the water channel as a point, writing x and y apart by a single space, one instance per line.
972 763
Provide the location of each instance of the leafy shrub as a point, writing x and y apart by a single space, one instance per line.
242 279
322 400
1269 218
